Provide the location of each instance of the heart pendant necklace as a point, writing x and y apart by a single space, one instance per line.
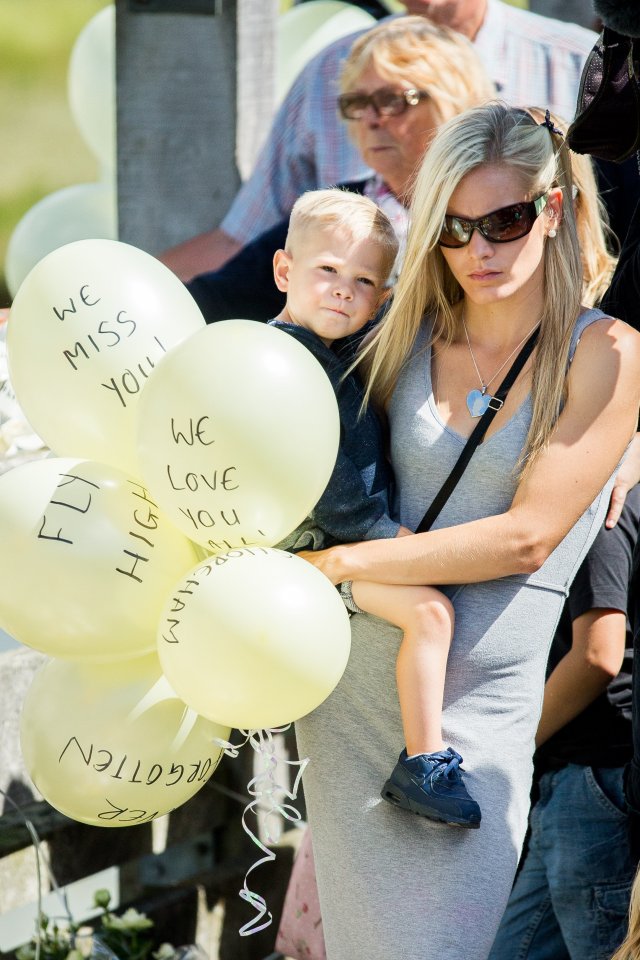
478 400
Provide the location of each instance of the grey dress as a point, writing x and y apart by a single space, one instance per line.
394 886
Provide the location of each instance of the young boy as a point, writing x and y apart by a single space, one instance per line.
339 252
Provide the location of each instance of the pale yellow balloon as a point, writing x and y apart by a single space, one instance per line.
79 212
238 434
87 326
87 560
91 83
306 29
112 745
254 638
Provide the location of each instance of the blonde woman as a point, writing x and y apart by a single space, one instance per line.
492 255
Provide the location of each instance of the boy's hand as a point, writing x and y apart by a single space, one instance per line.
628 476
404 532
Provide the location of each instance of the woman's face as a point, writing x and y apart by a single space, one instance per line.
492 272
392 146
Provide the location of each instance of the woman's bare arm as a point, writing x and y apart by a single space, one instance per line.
595 427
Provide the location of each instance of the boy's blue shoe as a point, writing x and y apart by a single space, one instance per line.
431 785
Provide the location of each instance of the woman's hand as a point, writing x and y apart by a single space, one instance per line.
628 476
331 561
327 561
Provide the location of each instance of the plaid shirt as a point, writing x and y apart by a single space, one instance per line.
533 60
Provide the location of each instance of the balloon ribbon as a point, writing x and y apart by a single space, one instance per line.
266 793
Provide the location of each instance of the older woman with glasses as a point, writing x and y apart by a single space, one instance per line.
486 316
400 82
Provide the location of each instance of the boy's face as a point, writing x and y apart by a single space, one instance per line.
333 282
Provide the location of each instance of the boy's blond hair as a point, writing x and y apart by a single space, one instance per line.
342 210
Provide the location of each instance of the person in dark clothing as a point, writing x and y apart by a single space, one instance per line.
622 299
607 126
571 896
339 251
326 312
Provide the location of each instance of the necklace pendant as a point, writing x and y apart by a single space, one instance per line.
478 402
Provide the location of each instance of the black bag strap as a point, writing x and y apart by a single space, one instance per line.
496 403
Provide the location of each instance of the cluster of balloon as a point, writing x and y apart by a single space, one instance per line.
181 455
84 210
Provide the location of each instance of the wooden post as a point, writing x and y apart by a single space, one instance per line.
194 97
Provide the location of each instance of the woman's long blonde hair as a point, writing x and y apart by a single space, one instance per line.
489 134
629 949
594 234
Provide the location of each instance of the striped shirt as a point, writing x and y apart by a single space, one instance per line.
533 60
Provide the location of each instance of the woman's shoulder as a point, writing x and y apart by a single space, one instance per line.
595 324
600 323
604 338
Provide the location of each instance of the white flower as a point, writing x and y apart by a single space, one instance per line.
27 952
130 920
166 951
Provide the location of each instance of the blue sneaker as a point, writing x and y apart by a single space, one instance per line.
431 785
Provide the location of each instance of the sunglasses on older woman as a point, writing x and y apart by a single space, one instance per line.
500 226
385 102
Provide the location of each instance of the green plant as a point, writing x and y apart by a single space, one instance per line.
128 936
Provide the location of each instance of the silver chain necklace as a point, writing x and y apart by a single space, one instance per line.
479 400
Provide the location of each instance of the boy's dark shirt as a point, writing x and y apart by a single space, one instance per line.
600 736
356 502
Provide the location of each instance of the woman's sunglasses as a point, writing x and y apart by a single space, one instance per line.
385 102
500 226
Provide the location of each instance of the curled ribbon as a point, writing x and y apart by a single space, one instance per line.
265 792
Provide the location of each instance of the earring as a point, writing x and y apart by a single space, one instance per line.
552 233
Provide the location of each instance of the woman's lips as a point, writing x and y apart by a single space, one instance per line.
484 274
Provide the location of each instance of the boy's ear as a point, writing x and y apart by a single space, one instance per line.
281 267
